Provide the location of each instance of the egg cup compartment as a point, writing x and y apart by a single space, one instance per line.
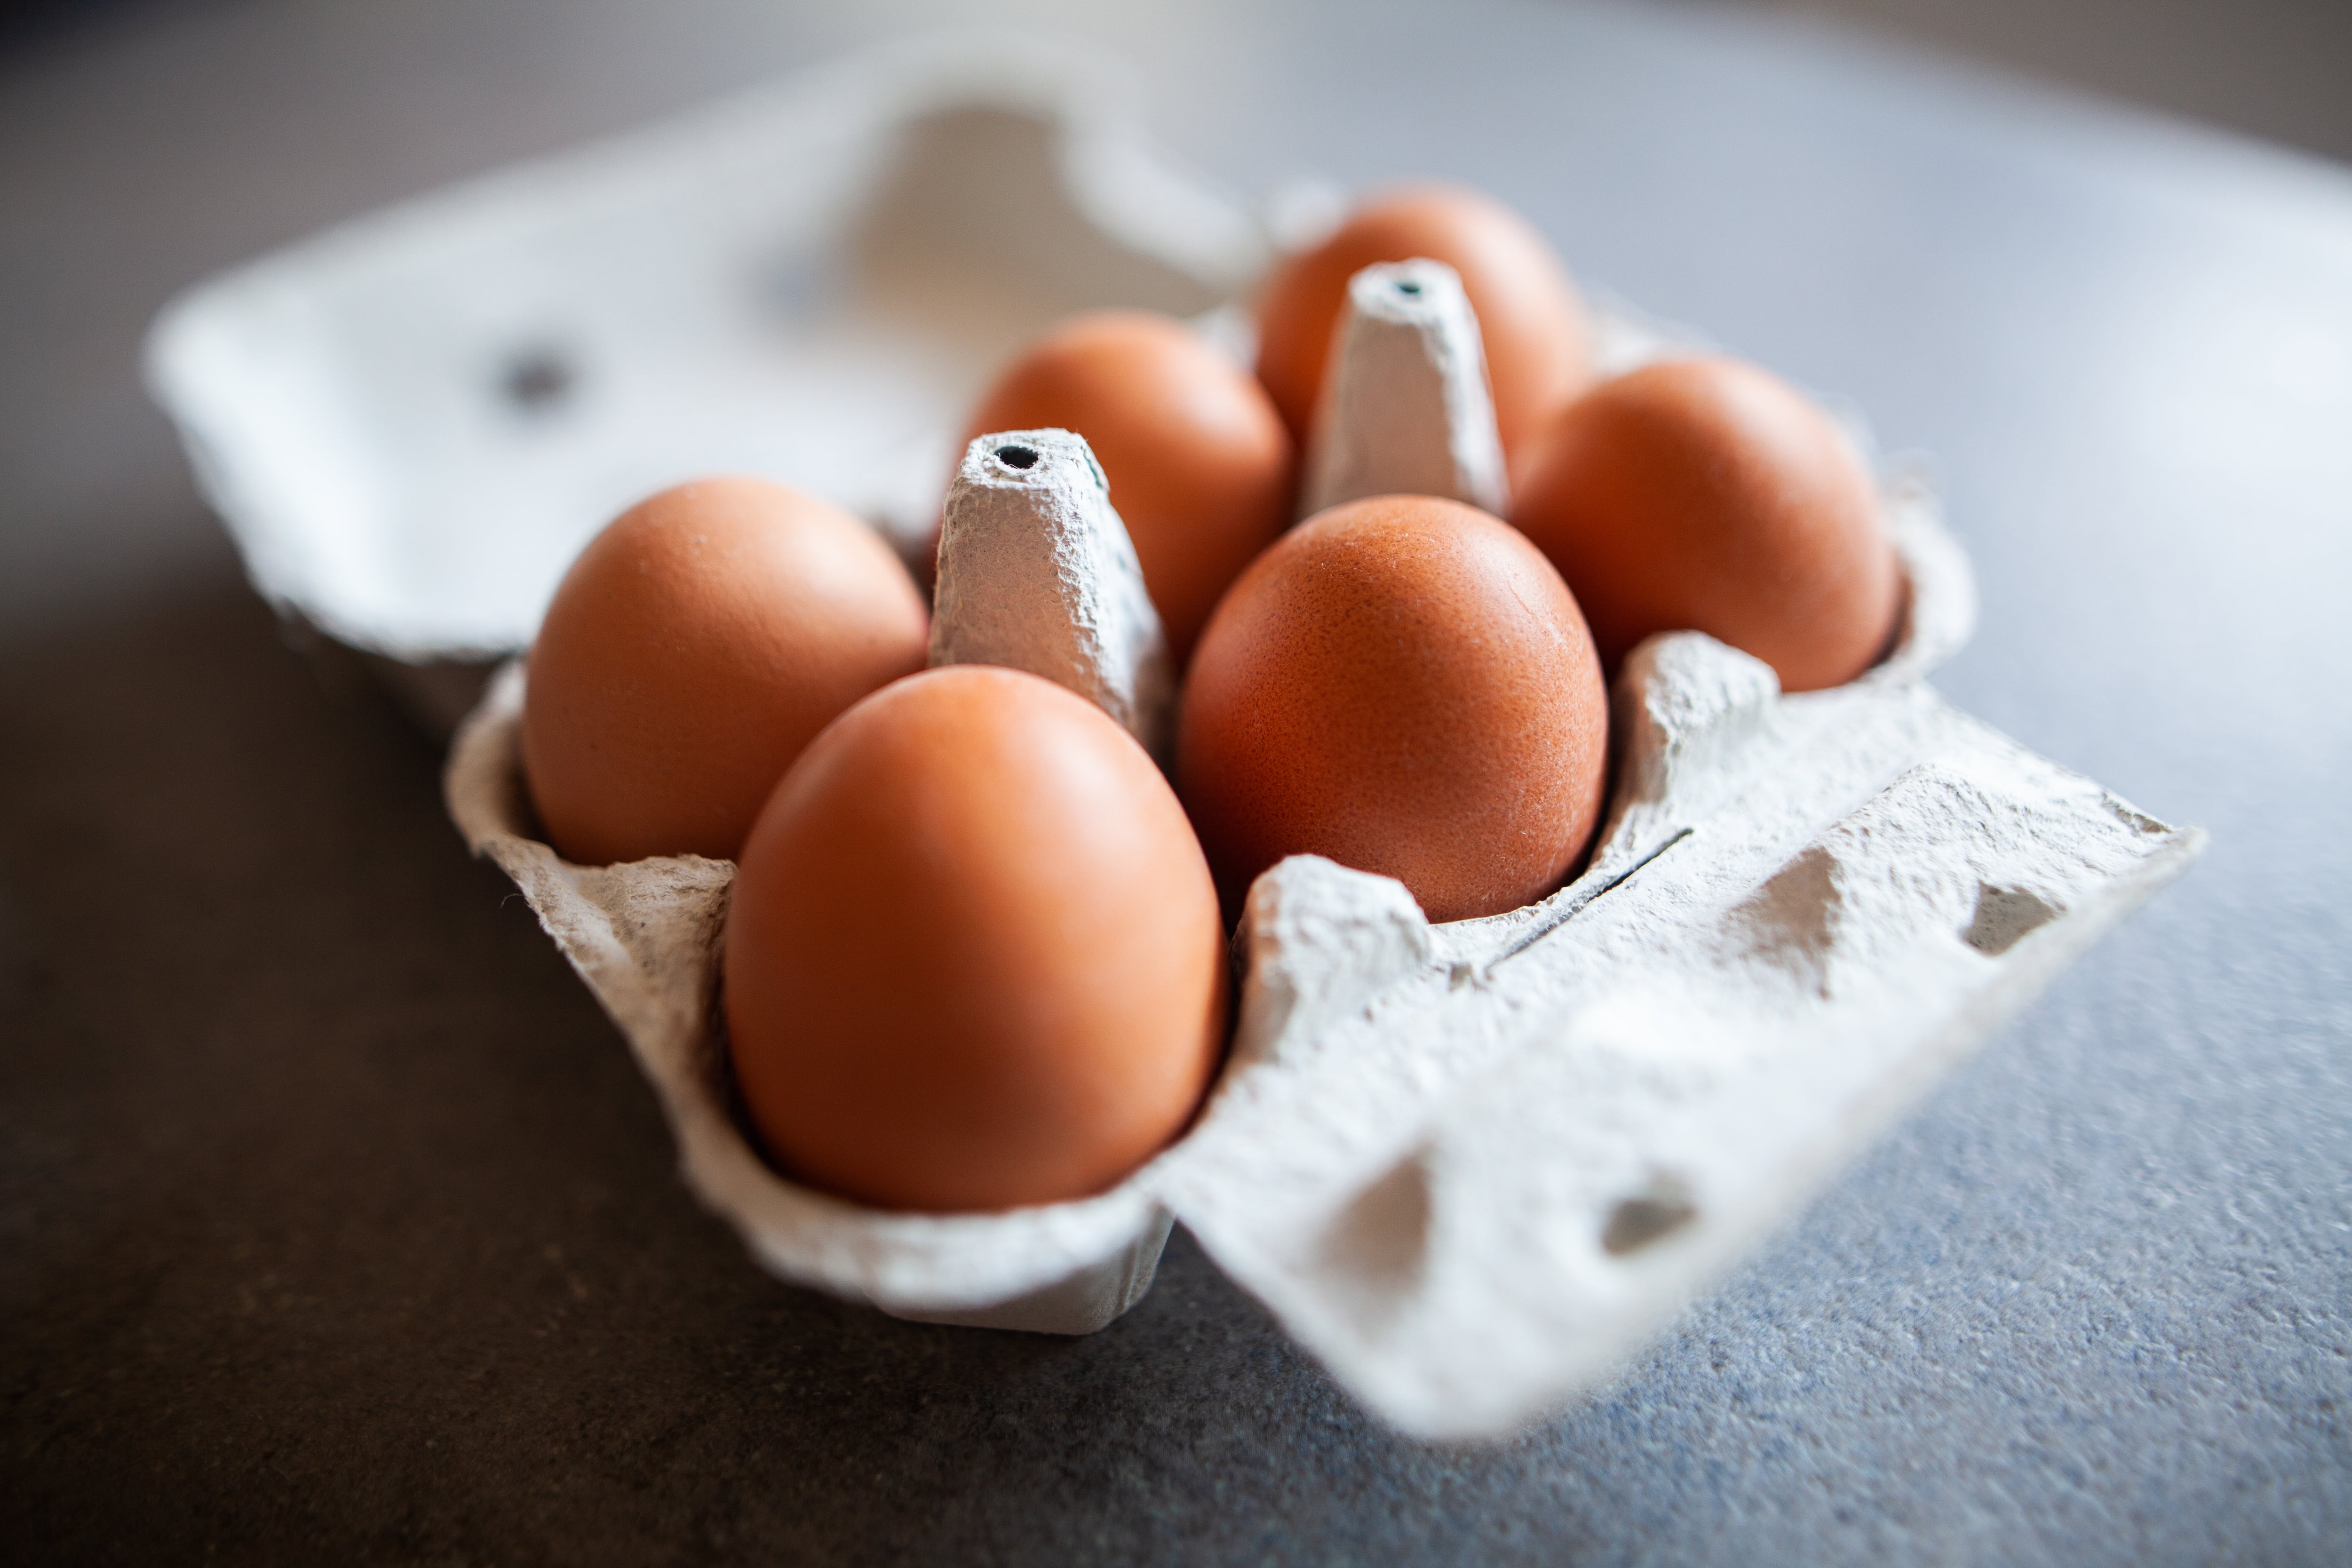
646 937
1472 1166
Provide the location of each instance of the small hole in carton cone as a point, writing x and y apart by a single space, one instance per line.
1408 287
1017 456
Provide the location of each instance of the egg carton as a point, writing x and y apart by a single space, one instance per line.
1473 1165
1469 1167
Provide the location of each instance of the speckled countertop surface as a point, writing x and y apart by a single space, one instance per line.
336 1226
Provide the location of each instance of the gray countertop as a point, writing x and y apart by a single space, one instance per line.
335 1224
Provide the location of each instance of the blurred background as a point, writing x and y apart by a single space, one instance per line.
2278 68
2274 68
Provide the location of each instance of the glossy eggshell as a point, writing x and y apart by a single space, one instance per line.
693 648
1537 334
974 959
1201 467
1404 686
1708 495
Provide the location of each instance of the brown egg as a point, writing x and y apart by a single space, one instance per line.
1404 686
1200 466
974 959
1706 495
1537 340
691 651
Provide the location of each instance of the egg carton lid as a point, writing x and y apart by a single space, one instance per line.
412 422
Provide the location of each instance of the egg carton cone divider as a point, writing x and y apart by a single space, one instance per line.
1036 572
1474 1166
1406 410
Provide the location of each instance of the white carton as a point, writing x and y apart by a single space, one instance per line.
1470 1166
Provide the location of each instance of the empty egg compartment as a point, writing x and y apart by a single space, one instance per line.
1472 1166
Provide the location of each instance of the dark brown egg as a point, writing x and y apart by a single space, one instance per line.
973 958
1402 685
691 651
1200 466
1537 340
1708 495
